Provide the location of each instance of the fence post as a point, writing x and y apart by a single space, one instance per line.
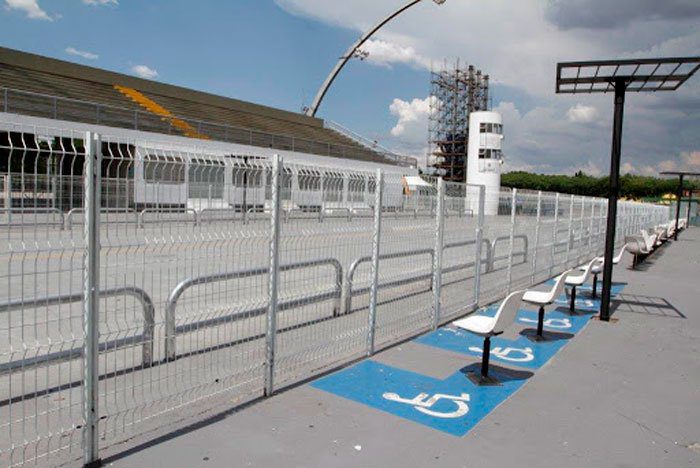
571 232
512 235
537 237
437 258
554 234
273 275
479 240
590 225
374 273
91 305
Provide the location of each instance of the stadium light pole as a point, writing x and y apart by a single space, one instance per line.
311 111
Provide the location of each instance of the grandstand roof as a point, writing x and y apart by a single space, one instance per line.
40 86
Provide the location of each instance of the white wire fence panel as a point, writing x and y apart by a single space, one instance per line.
197 253
578 233
459 249
41 333
524 239
562 244
324 252
497 229
544 243
406 258
191 267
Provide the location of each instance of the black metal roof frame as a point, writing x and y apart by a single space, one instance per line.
639 75
680 173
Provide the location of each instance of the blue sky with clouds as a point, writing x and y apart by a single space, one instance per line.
276 52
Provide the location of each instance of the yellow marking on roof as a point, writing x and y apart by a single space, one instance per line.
151 106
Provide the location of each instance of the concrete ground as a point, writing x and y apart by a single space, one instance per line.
625 393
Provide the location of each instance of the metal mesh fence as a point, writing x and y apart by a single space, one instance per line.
143 283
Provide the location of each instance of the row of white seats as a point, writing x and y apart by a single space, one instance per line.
487 327
648 240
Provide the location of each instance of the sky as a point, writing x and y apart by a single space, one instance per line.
277 53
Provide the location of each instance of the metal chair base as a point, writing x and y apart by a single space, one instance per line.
483 381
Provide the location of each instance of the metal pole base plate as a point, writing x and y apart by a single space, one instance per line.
481 381
536 338
610 320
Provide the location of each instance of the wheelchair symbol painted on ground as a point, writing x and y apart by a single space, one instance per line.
578 302
422 403
559 323
508 354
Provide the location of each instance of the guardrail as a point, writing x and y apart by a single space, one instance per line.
349 292
32 211
146 338
171 330
495 242
226 214
77 211
142 214
464 266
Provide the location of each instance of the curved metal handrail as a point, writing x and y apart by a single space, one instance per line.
348 291
176 293
166 210
138 293
74 211
38 210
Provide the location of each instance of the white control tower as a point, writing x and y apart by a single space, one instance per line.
484 157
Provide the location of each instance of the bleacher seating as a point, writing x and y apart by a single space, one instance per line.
93 95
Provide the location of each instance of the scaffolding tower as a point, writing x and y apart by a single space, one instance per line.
455 93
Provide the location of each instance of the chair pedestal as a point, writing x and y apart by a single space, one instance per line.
540 327
572 305
483 378
594 294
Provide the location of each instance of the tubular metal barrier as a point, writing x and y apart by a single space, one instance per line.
329 212
522 253
224 214
146 338
170 211
349 292
171 330
32 211
78 211
464 266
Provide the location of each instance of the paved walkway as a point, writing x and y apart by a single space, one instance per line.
618 394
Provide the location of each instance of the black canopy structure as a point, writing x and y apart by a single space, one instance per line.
679 193
621 76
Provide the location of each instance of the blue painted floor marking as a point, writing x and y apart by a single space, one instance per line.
520 352
454 405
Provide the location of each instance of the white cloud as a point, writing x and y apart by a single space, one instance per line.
101 2
412 118
519 45
30 7
386 53
82 53
582 114
144 71
691 159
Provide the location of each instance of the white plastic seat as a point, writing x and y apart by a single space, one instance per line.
491 326
544 298
598 268
575 280
637 247
649 240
